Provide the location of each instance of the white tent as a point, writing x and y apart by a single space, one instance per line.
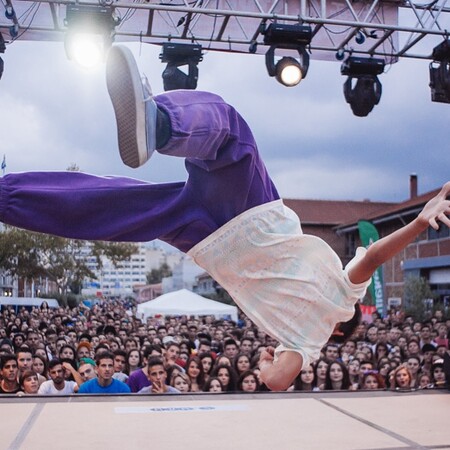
28 301
184 302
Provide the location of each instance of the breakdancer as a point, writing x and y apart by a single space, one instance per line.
227 216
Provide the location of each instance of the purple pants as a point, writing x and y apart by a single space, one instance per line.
226 177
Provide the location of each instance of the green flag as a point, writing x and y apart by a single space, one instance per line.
369 234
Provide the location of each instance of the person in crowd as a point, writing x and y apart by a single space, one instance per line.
9 371
120 365
413 363
6 345
87 369
157 376
246 345
207 362
226 375
195 373
230 348
84 350
320 371
241 363
337 377
29 383
427 352
372 380
104 383
248 382
57 385
381 351
222 359
213 385
305 381
24 359
354 372
438 377
139 378
66 351
424 381
181 382
40 366
134 361
400 378
331 352
413 347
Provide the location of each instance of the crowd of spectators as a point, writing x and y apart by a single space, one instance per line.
107 349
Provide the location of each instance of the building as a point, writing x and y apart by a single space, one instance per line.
126 276
427 257
184 275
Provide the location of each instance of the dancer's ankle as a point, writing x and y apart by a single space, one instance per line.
163 128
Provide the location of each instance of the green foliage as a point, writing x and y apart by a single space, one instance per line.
221 296
30 255
156 275
417 291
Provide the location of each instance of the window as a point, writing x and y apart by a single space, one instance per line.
442 233
350 244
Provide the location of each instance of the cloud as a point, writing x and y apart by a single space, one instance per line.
334 179
54 114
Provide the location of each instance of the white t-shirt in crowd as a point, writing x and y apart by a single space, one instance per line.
48 388
290 284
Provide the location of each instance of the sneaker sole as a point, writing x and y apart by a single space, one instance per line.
125 89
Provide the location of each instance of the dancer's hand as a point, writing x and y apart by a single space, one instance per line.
266 356
437 209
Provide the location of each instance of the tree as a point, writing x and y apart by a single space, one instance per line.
417 293
30 255
156 275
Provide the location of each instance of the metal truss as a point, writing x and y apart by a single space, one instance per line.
385 29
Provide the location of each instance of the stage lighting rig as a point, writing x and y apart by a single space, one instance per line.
90 34
177 55
362 89
288 71
2 50
440 73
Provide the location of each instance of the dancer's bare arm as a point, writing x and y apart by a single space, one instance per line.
278 376
436 210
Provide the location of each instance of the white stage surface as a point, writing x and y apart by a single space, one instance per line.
272 421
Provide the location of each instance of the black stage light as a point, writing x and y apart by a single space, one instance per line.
90 34
288 70
362 89
440 73
177 55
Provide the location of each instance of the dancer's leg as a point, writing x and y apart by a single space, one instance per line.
226 177
77 205
226 173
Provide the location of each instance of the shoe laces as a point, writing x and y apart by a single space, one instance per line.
148 95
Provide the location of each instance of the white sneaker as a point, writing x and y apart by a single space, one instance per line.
133 105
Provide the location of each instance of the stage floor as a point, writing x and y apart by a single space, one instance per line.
272 421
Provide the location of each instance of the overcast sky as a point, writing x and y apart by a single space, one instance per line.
54 114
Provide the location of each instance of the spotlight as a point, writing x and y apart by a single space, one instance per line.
362 89
90 33
176 55
440 73
288 70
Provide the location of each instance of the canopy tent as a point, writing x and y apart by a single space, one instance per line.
184 302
